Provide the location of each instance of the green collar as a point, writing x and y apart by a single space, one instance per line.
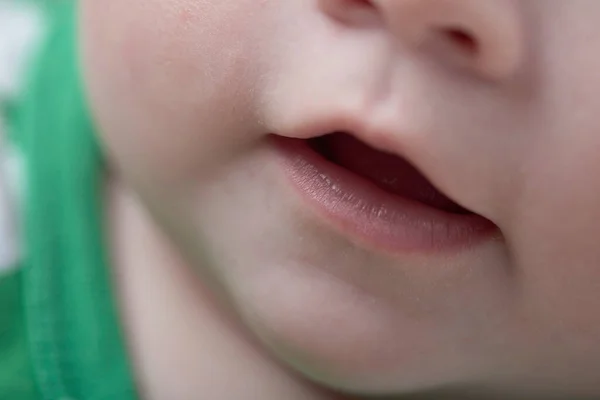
76 342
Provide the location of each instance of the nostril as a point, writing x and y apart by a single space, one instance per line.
461 39
351 12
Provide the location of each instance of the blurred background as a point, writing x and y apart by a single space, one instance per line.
21 27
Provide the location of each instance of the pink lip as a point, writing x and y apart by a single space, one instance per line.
371 216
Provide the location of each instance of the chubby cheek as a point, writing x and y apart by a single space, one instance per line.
167 97
555 242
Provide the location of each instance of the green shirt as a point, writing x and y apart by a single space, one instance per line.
60 336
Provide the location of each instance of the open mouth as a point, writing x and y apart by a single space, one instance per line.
377 198
389 172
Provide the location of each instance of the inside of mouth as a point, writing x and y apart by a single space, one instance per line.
389 172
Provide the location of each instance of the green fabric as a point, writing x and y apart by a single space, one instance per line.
75 340
16 374
16 378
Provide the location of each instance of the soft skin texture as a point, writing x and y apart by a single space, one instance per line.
502 118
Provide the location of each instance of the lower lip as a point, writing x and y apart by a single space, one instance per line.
357 208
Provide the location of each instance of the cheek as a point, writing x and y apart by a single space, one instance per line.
162 88
555 242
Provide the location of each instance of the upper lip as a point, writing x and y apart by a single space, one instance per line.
378 137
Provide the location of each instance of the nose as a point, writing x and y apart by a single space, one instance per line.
485 36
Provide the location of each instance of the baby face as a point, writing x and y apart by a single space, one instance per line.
394 195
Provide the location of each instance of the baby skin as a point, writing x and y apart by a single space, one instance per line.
352 199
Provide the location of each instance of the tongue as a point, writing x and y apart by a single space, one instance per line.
387 171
